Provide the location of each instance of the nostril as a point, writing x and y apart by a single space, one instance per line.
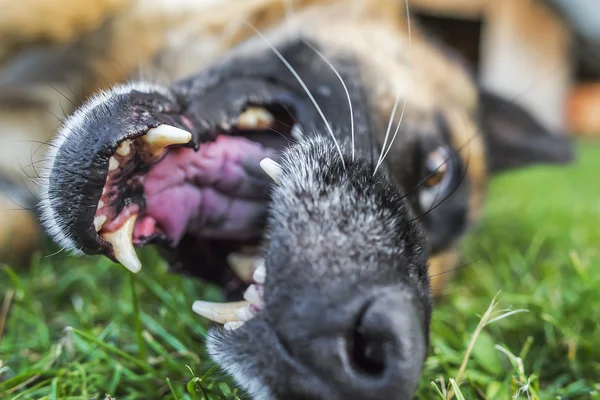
366 356
365 352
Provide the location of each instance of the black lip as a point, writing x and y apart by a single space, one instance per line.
81 164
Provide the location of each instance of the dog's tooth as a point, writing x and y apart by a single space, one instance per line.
271 168
218 312
244 314
165 135
124 148
255 118
121 241
113 164
230 326
297 132
260 271
252 296
242 265
100 204
99 222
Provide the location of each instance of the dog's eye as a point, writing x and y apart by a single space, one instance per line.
436 167
437 177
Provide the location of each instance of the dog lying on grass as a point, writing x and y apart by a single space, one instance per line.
321 164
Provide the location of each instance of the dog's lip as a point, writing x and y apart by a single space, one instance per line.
91 140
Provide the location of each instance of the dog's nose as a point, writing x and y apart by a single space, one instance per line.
373 350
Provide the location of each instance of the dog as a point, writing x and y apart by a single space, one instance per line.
334 152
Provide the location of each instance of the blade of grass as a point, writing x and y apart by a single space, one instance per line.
113 350
136 319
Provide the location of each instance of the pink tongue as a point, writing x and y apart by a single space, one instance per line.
209 193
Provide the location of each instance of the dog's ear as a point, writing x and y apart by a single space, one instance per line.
514 138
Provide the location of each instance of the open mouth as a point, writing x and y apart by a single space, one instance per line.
158 190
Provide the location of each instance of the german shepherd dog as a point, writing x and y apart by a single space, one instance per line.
333 151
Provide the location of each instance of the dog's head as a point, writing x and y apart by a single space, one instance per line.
380 149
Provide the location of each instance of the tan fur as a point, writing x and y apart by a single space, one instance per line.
19 234
25 22
375 32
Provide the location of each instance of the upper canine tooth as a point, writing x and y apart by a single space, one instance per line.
165 135
271 168
121 241
260 273
218 312
255 118
242 265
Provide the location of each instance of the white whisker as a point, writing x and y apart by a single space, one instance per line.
387 133
384 151
395 134
56 253
308 93
345 89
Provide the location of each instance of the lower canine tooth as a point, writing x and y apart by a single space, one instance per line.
165 135
256 118
218 312
121 241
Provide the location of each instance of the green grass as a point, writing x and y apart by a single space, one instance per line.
74 330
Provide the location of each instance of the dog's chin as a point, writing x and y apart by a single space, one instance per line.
258 362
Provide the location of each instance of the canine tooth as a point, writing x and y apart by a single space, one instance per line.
255 118
112 164
297 132
260 272
242 265
99 222
100 204
230 326
271 168
165 135
124 148
121 241
252 296
218 312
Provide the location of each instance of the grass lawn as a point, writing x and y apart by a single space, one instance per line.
82 328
